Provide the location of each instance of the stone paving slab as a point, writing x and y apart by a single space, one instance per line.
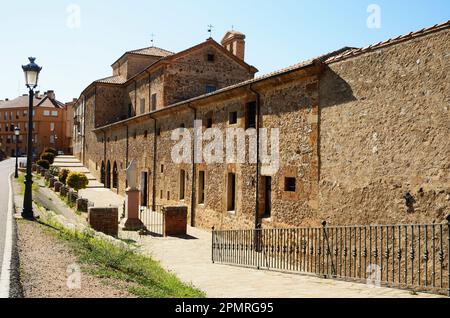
191 261
102 197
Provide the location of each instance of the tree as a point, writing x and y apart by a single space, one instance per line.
51 150
77 181
63 174
54 171
43 163
48 156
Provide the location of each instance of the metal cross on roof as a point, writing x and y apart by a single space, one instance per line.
153 39
210 29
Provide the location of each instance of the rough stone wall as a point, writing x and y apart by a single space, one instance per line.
138 63
214 212
108 106
140 149
293 109
187 76
93 148
168 179
385 132
116 145
144 87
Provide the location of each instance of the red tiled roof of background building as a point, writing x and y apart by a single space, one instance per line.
39 101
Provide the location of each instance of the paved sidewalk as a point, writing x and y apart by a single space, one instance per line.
190 260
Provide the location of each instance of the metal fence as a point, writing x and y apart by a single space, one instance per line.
153 219
413 257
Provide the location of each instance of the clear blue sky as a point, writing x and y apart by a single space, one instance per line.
279 33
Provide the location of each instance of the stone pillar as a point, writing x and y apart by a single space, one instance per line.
52 182
58 186
175 220
132 221
104 220
64 191
82 205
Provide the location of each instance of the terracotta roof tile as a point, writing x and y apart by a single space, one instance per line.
22 102
112 80
153 51
389 42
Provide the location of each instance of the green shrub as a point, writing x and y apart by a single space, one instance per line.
63 174
51 150
43 163
48 156
77 181
54 171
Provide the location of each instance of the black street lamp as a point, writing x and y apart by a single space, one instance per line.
17 134
31 71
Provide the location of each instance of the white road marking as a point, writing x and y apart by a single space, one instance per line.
7 252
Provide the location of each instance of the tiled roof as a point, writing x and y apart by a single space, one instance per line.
112 80
22 102
279 72
153 51
389 42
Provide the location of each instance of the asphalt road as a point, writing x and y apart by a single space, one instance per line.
6 168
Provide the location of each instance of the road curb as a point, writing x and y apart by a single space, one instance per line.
5 276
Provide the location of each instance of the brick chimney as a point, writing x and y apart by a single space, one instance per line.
51 94
234 42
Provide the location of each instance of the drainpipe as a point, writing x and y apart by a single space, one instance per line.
155 149
135 98
104 153
258 126
127 155
194 173
84 124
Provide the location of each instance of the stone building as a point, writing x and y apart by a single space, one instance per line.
52 120
359 130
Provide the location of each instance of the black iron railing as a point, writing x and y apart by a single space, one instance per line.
153 219
414 257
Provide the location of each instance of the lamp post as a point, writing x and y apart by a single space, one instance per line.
31 71
17 134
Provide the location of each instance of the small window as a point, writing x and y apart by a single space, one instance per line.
168 195
211 57
146 134
182 126
52 126
130 110
209 122
46 113
115 138
210 89
153 102
201 187
161 194
158 131
142 106
233 117
162 168
289 184
250 116
135 135
182 185
231 192
55 113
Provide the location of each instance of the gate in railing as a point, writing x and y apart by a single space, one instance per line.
153 219
414 257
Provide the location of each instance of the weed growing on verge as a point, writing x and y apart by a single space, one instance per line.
146 277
